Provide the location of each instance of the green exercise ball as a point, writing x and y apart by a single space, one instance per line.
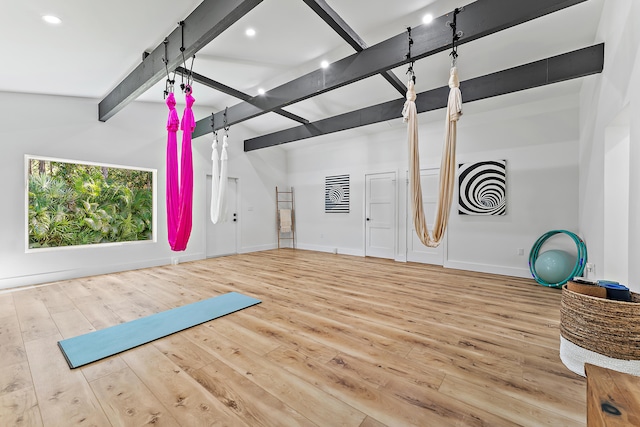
555 266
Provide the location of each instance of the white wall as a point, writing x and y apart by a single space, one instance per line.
535 132
602 99
258 173
68 128
616 201
554 147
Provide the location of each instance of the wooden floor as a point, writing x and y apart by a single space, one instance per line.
336 341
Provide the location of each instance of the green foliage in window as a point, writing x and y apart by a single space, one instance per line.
72 204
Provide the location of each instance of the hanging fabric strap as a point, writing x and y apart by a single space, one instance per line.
447 167
219 180
179 181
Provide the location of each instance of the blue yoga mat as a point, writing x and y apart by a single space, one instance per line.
97 345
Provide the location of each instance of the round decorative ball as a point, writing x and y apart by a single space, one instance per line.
555 266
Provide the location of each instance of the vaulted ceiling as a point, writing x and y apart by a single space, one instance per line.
99 43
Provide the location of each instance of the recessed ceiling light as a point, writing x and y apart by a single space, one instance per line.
52 19
426 19
324 64
260 91
250 32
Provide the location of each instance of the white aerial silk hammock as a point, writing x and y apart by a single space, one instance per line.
447 167
219 180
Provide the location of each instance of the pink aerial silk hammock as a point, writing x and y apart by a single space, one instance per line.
179 182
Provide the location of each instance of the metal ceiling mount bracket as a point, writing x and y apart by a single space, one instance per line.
205 23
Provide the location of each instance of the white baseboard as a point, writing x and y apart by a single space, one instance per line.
331 249
488 268
317 248
258 248
351 251
74 273
54 276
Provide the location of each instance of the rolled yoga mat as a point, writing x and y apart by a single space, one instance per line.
88 348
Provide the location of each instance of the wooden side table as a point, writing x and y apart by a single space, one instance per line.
613 398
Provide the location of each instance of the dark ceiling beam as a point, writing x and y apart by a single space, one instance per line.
480 18
203 25
206 81
335 21
556 69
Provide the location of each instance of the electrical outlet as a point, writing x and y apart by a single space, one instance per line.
591 268
520 251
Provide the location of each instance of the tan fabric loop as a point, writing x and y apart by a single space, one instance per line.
447 167
453 78
455 103
411 91
411 97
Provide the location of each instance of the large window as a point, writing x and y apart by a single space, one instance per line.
71 203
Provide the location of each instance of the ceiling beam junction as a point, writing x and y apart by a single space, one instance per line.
335 21
571 65
478 19
213 84
204 24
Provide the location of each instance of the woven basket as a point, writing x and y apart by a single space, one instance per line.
605 326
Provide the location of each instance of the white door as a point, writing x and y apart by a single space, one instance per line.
222 238
380 221
416 251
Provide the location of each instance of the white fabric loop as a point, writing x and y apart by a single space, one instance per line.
219 181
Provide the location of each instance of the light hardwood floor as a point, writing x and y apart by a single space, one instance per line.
336 341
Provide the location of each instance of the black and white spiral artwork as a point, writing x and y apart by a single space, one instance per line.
482 188
336 194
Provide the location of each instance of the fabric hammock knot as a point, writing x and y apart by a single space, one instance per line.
188 120
453 78
214 147
225 145
173 121
455 96
411 98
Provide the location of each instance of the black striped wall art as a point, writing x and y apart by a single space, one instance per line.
482 188
336 194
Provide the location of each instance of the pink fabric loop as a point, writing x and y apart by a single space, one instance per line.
172 121
179 183
188 120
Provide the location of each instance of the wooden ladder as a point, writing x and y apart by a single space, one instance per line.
285 200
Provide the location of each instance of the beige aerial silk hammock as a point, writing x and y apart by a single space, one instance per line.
447 167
